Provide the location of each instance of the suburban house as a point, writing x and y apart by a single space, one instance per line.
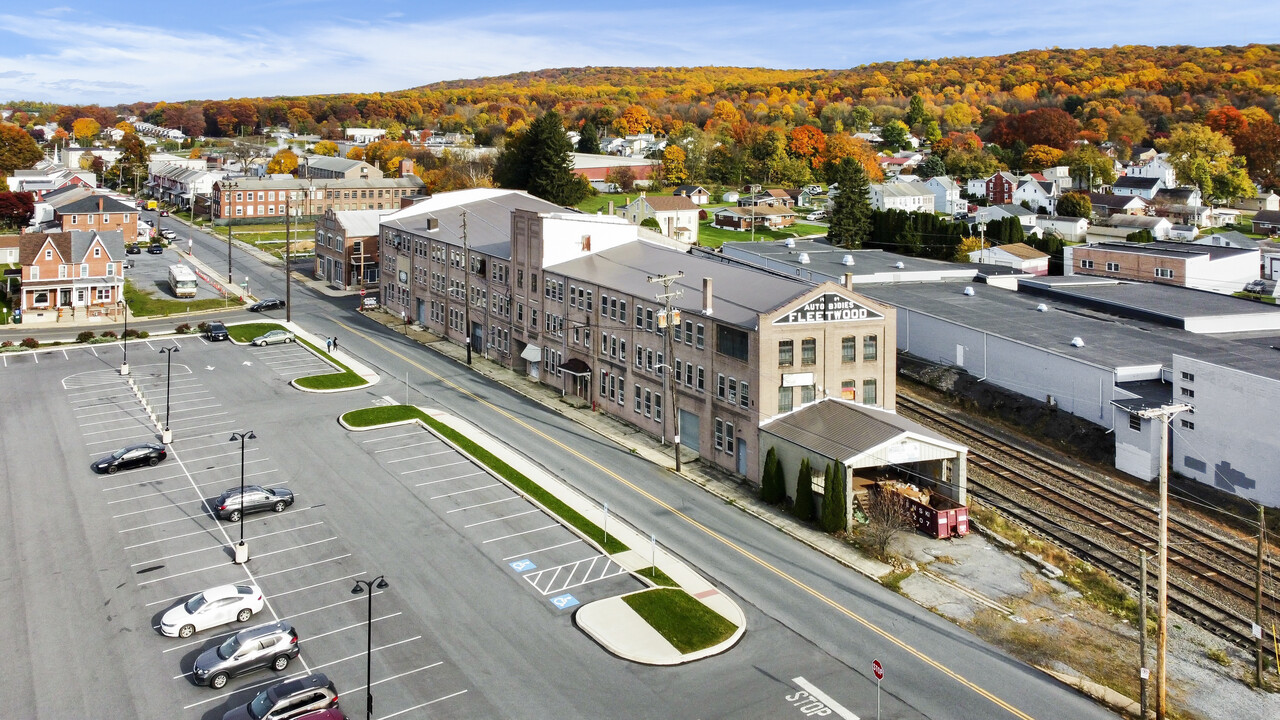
743 218
1230 238
767 198
1158 226
1071 229
321 167
1265 201
72 274
1267 222
976 187
1158 168
696 193
911 197
946 195
1182 233
1178 196
1107 204
1019 256
47 176
241 200
676 215
1216 269
347 247
802 197
1026 218
364 136
9 247
99 213
1136 185
1041 195
1000 187
181 185
1060 175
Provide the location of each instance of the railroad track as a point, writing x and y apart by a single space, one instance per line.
1211 575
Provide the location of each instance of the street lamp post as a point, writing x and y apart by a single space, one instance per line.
124 339
361 586
242 551
166 436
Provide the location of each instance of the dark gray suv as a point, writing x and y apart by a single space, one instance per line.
270 646
256 499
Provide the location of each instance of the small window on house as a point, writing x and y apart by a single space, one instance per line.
1113 267
870 348
808 351
869 391
1188 392
1189 377
849 349
1135 421
1187 424
848 389
786 353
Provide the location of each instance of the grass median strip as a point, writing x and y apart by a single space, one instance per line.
145 304
684 621
346 378
369 417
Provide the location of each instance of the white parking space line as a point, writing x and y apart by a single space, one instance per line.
300 567
101 432
429 702
162 507
116 411
247 450
527 553
419 457
556 584
295 547
146 483
316 585
157 524
491 502
117 441
402 447
500 519
341 629
397 676
456 477
199 417
251 686
390 437
124 419
362 654
184 573
205 425
526 532
216 547
330 605
464 492
437 467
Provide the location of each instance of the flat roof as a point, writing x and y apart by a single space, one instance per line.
739 293
1108 342
488 217
1142 299
828 259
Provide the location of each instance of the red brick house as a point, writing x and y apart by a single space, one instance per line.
99 213
71 274
1000 188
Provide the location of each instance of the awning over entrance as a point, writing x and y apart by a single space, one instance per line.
532 353
575 367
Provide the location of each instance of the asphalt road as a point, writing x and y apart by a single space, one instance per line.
472 637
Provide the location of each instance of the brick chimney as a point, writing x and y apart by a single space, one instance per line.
706 296
100 201
406 167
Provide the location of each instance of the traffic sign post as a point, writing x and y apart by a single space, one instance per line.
878 669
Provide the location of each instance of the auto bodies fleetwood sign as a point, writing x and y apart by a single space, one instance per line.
828 307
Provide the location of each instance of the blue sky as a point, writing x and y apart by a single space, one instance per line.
139 50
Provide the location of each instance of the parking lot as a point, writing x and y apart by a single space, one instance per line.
290 361
150 273
551 561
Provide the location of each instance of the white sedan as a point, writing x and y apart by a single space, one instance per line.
211 608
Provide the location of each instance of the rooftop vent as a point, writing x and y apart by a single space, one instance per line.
1042 307
899 265
789 242
804 258
968 291
847 260
1077 341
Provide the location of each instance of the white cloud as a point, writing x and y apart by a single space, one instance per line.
74 58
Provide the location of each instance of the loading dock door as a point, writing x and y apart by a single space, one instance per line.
690 431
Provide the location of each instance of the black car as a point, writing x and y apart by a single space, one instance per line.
289 699
216 331
266 304
132 456
256 499
272 645
133 249
155 249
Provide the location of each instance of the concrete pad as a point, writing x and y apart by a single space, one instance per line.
620 630
939 597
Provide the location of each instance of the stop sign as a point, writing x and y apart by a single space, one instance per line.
361 292
878 669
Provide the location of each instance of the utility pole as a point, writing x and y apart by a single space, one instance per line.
671 320
1143 672
1165 416
466 284
288 299
1257 598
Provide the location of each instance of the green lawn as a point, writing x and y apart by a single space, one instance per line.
550 502
600 203
249 331
680 618
145 304
714 237
382 415
657 577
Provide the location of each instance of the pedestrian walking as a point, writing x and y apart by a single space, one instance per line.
334 340
328 344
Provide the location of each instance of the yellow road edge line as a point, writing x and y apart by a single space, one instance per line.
712 533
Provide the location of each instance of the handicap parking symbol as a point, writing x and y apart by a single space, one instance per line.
564 601
523 565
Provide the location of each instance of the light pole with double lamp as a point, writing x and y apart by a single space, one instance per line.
361 586
166 435
242 550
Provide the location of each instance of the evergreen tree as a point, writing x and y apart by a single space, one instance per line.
932 166
590 140
851 214
838 520
803 508
538 161
826 514
771 490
